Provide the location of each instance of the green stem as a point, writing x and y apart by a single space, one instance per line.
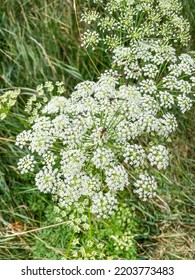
70 245
90 225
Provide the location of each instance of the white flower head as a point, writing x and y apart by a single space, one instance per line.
158 156
145 186
116 178
26 164
184 102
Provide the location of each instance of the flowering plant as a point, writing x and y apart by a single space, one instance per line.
7 101
118 22
111 134
105 137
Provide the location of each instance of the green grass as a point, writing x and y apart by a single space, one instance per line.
171 226
188 10
39 42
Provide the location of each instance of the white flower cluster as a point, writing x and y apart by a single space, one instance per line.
47 179
158 156
23 138
166 99
88 147
135 20
116 178
90 17
134 155
26 164
184 102
145 186
150 64
168 79
90 38
80 145
103 157
72 161
49 158
103 205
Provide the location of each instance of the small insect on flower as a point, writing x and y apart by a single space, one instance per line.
111 99
102 132
135 70
126 165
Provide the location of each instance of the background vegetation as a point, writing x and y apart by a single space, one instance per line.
40 41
